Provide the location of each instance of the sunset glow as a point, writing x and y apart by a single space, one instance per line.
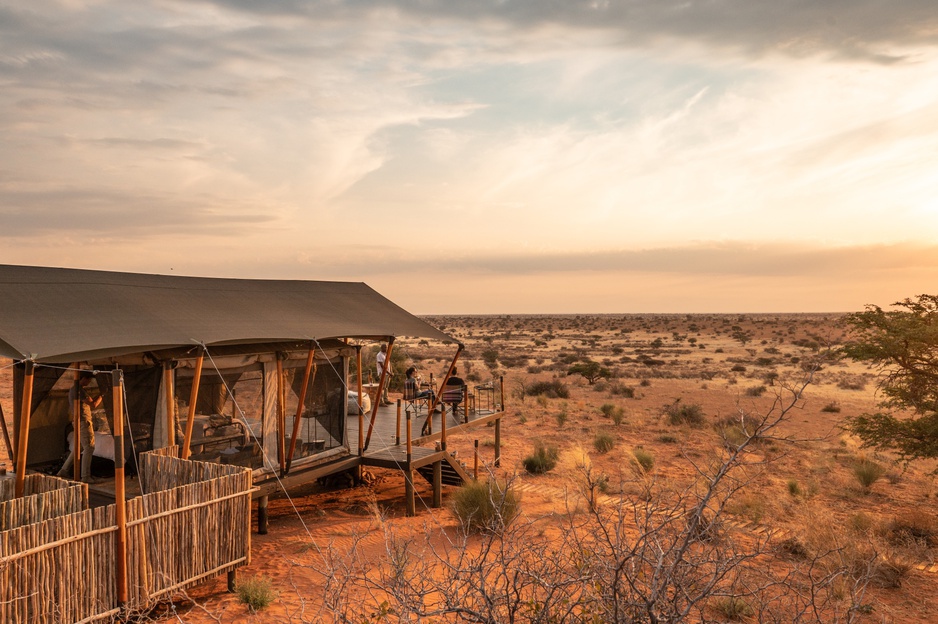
509 157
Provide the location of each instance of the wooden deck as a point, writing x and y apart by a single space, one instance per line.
387 449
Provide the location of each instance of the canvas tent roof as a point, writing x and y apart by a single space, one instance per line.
63 315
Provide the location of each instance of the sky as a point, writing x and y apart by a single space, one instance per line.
500 156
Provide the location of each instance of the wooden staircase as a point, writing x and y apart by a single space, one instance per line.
453 471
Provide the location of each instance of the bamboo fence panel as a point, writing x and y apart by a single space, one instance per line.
194 523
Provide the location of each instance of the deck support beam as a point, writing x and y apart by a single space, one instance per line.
498 442
232 581
262 515
437 484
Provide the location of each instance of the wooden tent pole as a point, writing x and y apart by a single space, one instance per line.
119 489
428 425
76 429
193 401
281 418
22 439
380 393
361 409
170 398
302 403
6 436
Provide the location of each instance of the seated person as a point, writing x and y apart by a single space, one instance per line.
452 391
412 386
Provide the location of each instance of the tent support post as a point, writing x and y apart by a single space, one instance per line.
301 404
193 400
76 429
170 403
120 501
428 425
23 437
6 437
281 418
380 393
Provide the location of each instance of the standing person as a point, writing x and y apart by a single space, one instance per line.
86 433
381 361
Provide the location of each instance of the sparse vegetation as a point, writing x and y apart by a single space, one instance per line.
679 413
603 442
553 389
867 471
542 460
644 459
257 593
489 505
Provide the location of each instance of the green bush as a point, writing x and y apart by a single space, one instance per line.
684 413
603 442
550 389
868 472
257 593
486 505
543 460
643 459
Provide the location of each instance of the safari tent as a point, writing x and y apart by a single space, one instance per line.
249 376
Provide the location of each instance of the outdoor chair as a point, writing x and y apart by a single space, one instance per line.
453 396
412 399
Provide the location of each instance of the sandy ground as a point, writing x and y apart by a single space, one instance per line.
661 359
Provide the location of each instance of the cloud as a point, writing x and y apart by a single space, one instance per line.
868 30
106 214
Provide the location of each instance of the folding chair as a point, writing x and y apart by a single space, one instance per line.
412 399
453 396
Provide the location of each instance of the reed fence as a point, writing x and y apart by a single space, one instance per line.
193 523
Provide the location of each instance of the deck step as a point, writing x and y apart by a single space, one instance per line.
453 471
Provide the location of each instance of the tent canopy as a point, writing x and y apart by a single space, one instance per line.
64 315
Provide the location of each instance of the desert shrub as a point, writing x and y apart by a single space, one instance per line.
755 391
486 505
738 368
643 459
733 608
861 523
915 526
624 391
793 547
667 438
732 434
684 413
551 389
867 472
603 442
607 409
764 361
561 417
490 357
644 383
747 505
832 408
852 383
257 593
542 460
794 488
